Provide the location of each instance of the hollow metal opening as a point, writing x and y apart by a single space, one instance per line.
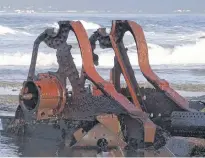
31 89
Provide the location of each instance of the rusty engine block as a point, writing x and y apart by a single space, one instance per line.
106 118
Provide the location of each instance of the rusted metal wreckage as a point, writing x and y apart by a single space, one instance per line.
107 118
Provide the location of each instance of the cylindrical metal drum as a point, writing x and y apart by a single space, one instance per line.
46 96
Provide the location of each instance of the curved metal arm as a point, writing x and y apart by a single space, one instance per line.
117 33
118 29
105 42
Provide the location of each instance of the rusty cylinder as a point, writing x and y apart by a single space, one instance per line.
46 96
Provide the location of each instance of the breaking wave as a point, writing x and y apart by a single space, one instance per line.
183 54
179 55
6 30
87 25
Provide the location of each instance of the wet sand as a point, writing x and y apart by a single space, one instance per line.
8 103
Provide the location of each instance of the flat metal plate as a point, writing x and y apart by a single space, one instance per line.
188 119
98 132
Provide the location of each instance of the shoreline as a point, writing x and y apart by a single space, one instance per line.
13 88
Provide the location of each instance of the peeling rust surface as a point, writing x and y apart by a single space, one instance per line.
117 33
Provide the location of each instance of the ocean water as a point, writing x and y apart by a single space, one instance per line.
176 44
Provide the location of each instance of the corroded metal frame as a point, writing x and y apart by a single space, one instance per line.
143 59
